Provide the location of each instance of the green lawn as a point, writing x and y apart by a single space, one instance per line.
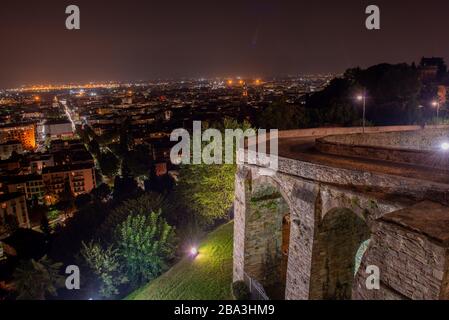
208 277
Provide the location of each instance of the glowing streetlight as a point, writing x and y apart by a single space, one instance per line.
362 98
445 146
194 252
436 104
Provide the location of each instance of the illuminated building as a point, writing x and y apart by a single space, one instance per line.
25 133
81 178
58 129
32 186
7 149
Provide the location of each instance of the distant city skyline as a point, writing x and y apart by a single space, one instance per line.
137 40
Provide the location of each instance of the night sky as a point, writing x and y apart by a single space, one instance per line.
139 40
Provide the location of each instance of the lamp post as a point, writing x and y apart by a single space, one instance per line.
362 97
436 104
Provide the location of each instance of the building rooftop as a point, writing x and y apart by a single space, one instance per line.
20 178
54 122
67 168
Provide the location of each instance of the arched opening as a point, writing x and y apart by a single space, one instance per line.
340 243
267 239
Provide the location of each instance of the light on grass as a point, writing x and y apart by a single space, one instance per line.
194 252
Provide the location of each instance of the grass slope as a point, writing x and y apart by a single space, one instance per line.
208 277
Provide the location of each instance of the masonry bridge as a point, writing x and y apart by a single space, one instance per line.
341 201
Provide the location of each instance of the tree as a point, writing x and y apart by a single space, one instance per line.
45 226
142 205
139 160
109 163
125 187
106 265
94 147
82 226
283 116
66 198
102 192
392 97
146 244
34 280
208 190
82 200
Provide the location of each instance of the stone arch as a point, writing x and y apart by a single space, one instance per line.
267 241
340 242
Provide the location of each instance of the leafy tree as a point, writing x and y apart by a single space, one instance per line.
392 97
125 136
45 226
82 226
146 244
102 192
109 164
106 265
208 190
108 137
66 198
125 186
94 147
283 116
34 280
139 160
142 205
82 200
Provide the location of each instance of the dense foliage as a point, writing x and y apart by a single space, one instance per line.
34 280
208 190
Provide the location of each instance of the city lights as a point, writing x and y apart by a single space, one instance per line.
234 153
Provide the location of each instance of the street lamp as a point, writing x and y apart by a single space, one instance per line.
445 146
362 98
193 252
436 104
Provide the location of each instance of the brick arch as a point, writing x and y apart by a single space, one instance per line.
268 224
340 236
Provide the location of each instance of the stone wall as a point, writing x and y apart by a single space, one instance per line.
411 265
421 139
427 158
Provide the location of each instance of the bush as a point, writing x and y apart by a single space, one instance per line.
240 291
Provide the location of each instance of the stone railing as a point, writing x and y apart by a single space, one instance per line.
424 139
